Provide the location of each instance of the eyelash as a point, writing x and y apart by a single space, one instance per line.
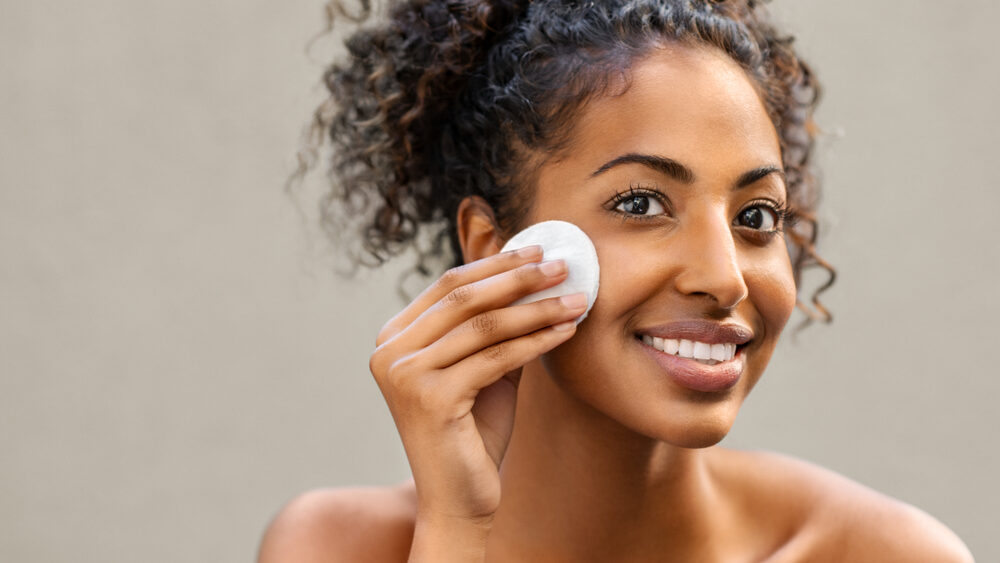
787 217
636 191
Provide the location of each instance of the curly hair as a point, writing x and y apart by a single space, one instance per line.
445 98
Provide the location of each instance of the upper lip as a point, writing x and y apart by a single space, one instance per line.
701 331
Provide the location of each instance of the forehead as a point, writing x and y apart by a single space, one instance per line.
692 104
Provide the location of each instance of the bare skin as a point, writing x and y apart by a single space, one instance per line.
608 459
791 511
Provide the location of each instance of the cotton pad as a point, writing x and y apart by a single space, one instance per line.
565 241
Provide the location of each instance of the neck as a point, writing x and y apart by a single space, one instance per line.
578 485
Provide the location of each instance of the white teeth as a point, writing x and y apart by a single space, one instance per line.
703 351
720 352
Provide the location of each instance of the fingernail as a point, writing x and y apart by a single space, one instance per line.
529 251
562 327
575 301
553 268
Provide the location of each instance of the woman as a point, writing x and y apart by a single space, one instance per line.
676 134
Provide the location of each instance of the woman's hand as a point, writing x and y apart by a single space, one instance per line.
449 365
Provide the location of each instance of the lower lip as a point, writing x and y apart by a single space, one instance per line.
697 376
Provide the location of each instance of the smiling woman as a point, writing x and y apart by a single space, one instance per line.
676 135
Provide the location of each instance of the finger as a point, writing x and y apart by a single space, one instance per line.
490 364
457 277
467 301
495 326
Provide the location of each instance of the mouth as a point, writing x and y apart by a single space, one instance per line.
702 352
697 365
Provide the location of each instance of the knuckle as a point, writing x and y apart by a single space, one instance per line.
401 368
424 394
392 327
395 376
459 296
452 277
380 363
486 323
497 353
375 365
383 335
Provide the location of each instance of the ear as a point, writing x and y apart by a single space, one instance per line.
478 233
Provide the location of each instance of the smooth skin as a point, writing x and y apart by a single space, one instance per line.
608 459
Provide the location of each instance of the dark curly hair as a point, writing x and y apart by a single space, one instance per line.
445 98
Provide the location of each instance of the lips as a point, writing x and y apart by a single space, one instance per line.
690 373
701 331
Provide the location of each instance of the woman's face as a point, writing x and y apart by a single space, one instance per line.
677 181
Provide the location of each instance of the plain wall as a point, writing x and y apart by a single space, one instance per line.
177 358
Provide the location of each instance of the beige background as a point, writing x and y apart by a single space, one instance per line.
177 360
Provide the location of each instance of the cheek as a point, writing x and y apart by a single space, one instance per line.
626 282
629 278
771 286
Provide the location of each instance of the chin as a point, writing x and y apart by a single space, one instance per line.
699 436
684 426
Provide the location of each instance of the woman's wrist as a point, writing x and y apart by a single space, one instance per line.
449 539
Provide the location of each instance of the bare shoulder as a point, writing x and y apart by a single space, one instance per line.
838 519
348 524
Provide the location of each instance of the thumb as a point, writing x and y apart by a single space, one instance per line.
494 414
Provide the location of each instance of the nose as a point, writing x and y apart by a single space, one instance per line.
709 261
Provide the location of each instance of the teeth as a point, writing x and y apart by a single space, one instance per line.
702 351
720 351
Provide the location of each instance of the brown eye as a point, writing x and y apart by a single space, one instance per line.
639 205
756 218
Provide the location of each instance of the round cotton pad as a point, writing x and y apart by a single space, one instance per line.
562 240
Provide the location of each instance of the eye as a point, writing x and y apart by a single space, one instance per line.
639 203
762 216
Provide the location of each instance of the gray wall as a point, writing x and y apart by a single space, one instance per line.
177 360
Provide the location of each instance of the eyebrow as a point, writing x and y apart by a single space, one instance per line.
682 173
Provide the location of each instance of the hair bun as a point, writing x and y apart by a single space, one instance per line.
441 43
